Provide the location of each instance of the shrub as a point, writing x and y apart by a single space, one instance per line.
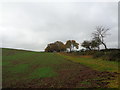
105 54
98 54
111 55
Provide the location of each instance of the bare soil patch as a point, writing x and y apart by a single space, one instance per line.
79 76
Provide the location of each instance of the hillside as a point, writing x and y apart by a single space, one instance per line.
23 69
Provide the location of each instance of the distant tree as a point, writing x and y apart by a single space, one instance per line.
75 44
50 47
95 43
86 44
57 46
91 45
71 45
68 45
100 34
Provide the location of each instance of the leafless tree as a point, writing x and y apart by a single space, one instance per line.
101 33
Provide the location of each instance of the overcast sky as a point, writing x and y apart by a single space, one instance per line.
33 25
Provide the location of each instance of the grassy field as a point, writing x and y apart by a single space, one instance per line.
31 65
39 69
96 64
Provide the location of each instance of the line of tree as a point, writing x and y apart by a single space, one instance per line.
97 39
59 46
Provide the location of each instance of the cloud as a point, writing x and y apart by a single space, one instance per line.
33 25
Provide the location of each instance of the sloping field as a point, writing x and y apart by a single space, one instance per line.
24 69
97 64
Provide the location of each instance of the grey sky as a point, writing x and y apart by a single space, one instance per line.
33 25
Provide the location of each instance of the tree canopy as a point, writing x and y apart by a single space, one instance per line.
86 44
71 45
59 46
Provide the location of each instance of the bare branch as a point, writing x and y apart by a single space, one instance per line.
101 33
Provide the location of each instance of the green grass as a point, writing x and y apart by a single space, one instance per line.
19 65
97 64
5 63
19 68
85 82
43 72
22 66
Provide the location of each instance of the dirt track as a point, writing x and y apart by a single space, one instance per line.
78 77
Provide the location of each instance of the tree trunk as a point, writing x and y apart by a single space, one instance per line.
104 45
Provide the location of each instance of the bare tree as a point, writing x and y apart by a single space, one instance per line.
100 33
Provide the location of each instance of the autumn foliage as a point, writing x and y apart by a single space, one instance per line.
59 46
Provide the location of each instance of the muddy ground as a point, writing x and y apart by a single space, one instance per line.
79 76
